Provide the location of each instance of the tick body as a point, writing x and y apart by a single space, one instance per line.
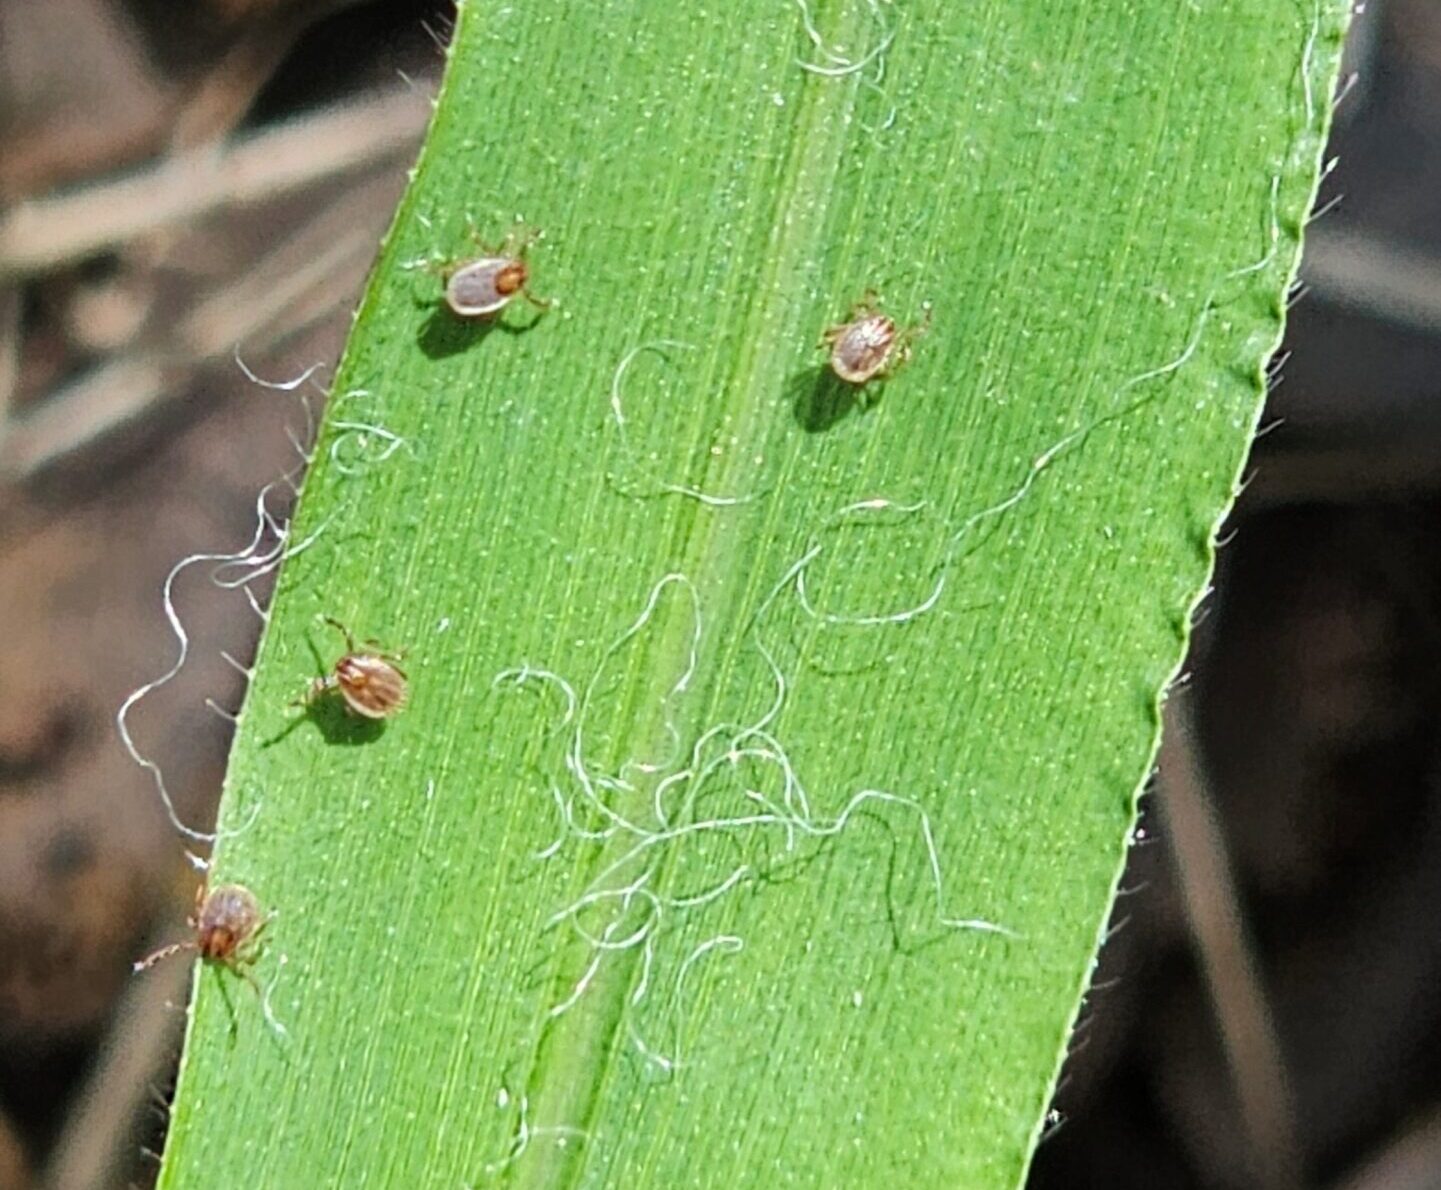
369 680
227 924
483 287
869 345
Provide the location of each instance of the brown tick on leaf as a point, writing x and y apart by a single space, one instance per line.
228 923
869 345
368 679
483 286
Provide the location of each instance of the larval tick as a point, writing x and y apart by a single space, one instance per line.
227 924
368 679
869 345
483 286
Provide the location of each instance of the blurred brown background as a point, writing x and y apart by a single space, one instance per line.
179 181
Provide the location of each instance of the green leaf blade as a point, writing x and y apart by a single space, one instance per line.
1103 207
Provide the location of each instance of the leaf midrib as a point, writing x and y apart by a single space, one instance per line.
705 538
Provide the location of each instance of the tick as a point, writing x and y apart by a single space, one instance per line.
227 923
869 345
482 287
369 680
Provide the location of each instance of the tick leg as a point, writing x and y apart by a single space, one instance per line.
906 341
343 630
314 690
280 1031
518 242
539 303
379 650
248 956
159 956
229 1005
440 268
249 976
255 945
506 247
870 303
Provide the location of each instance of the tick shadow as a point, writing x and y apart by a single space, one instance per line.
820 400
341 726
444 333
327 714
